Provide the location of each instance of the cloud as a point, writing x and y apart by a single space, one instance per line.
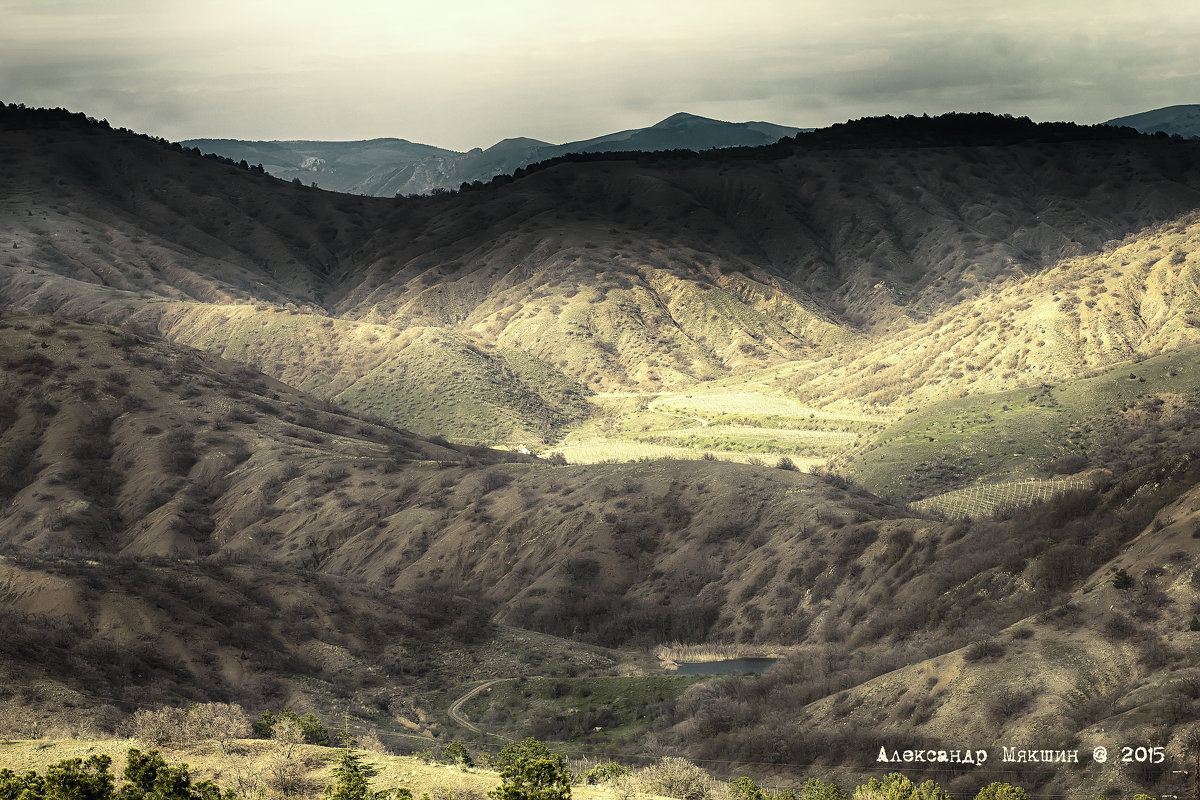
470 73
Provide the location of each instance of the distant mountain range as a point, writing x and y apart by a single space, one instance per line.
386 167
1182 120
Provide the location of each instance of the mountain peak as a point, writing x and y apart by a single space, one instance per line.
681 119
516 142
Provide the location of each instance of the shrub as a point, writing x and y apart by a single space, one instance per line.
288 777
456 753
538 778
438 793
897 787
1008 702
984 648
1118 626
1066 465
289 734
1122 580
815 789
744 788
527 748
219 722
160 726
147 775
310 727
30 785
77 779
676 777
493 480
151 778
605 772
1001 791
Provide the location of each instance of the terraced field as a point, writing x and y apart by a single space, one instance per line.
756 404
599 452
775 434
741 426
976 502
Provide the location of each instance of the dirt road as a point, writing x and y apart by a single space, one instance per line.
455 710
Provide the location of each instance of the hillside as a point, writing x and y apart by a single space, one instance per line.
173 456
389 167
1172 120
619 275
273 503
224 399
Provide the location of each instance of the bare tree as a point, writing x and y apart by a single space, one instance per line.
289 734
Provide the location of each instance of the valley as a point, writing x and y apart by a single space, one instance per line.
731 426
908 403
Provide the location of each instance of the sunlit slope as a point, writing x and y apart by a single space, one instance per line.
1137 298
428 380
633 273
1122 417
715 421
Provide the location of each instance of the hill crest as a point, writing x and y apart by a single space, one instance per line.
380 167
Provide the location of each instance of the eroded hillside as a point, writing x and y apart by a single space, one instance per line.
840 267
209 378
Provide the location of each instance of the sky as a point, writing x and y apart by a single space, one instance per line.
468 73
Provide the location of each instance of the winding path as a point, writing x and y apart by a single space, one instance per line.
455 709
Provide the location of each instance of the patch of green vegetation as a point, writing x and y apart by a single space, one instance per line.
740 444
589 712
809 423
733 425
1023 433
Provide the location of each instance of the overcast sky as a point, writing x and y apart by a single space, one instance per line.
467 73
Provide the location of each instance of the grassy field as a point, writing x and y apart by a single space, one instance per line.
588 714
768 434
599 452
1017 435
755 404
740 426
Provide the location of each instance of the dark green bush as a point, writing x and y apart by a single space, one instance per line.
147 775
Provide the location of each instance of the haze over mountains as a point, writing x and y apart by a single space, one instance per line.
387 167
223 391
1181 120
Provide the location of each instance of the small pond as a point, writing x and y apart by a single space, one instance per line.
733 666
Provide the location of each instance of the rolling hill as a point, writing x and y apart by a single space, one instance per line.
1172 120
224 390
387 167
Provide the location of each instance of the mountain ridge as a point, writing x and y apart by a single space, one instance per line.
419 169
1177 120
